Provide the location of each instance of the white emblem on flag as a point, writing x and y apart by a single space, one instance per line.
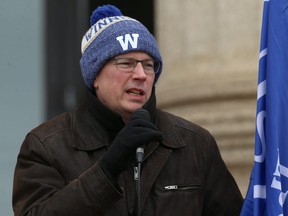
280 172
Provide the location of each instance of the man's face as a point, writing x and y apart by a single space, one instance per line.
123 92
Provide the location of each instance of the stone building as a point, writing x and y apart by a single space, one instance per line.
210 51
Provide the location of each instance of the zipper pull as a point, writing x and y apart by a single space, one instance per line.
171 187
136 174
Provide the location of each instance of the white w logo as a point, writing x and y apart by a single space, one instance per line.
128 40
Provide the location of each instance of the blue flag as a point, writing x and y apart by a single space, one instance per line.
268 188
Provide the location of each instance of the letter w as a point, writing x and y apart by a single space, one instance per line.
128 40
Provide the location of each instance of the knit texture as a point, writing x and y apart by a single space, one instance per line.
112 36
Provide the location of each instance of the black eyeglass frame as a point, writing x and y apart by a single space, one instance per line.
134 62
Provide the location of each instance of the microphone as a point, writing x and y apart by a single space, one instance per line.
142 114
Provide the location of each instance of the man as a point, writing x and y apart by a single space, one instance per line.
83 162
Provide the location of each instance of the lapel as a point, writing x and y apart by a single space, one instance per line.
150 171
151 167
156 154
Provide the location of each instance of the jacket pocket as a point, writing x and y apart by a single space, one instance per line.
183 199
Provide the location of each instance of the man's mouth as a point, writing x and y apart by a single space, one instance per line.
137 92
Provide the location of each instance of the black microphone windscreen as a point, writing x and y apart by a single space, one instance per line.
141 114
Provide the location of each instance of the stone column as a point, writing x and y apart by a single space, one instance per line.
210 51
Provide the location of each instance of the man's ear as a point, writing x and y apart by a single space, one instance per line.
95 83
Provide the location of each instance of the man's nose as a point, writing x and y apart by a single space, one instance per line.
139 71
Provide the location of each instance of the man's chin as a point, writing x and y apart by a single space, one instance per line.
132 107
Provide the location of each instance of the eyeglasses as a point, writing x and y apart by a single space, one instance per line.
129 64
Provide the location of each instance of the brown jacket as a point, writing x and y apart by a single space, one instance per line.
57 172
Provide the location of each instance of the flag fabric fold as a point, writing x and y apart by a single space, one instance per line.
268 187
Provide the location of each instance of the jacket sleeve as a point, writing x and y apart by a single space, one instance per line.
222 195
39 189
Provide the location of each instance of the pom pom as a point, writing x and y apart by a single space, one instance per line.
103 12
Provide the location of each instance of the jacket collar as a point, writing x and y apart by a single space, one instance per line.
169 127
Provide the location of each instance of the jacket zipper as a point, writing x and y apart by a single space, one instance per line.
181 187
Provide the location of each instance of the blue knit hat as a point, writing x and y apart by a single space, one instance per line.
112 34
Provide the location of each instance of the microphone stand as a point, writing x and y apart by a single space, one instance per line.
139 159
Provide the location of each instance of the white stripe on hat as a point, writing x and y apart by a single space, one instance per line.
98 27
